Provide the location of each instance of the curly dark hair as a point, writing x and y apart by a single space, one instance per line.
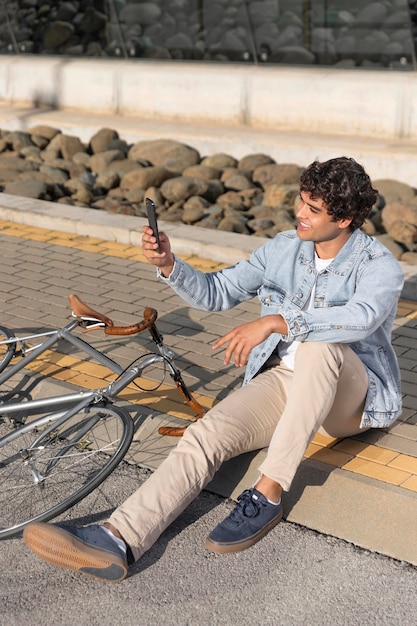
344 186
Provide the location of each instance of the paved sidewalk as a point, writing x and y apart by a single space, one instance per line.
362 489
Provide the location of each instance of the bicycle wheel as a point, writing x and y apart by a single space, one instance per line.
7 350
42 476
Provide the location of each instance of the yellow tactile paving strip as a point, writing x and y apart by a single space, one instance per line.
349 454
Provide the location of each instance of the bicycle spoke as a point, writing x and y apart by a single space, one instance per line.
41 482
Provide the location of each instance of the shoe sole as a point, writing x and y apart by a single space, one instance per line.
58 547
239 546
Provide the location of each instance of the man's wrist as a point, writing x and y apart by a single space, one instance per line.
167 269
278 324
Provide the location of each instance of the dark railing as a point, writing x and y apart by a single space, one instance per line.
361 33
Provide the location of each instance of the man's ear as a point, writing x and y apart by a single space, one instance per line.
345 223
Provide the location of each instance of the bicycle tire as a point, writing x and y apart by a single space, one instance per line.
70 462
8 350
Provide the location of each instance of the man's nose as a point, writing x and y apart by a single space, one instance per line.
300 209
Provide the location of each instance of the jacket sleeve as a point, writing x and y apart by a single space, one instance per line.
221 290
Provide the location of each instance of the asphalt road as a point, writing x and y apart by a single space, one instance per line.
294 576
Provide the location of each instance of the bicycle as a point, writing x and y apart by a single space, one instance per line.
48 463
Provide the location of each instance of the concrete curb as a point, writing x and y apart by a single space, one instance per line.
215 245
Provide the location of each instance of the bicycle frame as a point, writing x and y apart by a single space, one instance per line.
84 398
21 341
55 336
90 319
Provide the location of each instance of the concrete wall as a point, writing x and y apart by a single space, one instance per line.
364 103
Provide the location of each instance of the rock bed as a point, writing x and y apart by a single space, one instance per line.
359 33
253 195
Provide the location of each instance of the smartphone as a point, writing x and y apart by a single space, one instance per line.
151 211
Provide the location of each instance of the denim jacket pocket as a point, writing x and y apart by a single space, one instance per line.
271 296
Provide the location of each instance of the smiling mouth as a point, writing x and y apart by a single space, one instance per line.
303 226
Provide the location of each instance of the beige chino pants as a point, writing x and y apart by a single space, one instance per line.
280 409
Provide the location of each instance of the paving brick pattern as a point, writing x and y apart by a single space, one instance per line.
42 267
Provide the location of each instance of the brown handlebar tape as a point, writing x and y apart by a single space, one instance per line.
80 309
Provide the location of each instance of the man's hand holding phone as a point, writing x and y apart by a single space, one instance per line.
151 211
156 245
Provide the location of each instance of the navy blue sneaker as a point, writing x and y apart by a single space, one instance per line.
91 550
250 520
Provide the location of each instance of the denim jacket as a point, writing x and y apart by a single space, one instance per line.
355 303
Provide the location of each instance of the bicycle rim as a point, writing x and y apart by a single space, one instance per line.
7 350
38 483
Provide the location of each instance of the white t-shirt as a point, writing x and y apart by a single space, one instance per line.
287 350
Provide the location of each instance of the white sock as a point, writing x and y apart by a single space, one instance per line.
119 542
274 503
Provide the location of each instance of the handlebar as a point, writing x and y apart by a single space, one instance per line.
86 313
98 320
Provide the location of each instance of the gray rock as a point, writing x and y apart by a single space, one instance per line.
233 224
403 232
18 140
36 189
7 174
202 171
170 154
283 221
101 161
144 13
280 174
136 195
83 195
293 54
53 161
102 139
260 224
40 142
81 157
47 132
215 189
15 163
238 183
391 245
262 11
372 14
76 170
368 227
409 257
93 21
220 161
231 200
70 145
144 177
155 195
123 166
251 162
108 179
397 19
277 194
191 215
179 40
405 210
196 202
32 153
54 173
181 188
229 172
57 33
